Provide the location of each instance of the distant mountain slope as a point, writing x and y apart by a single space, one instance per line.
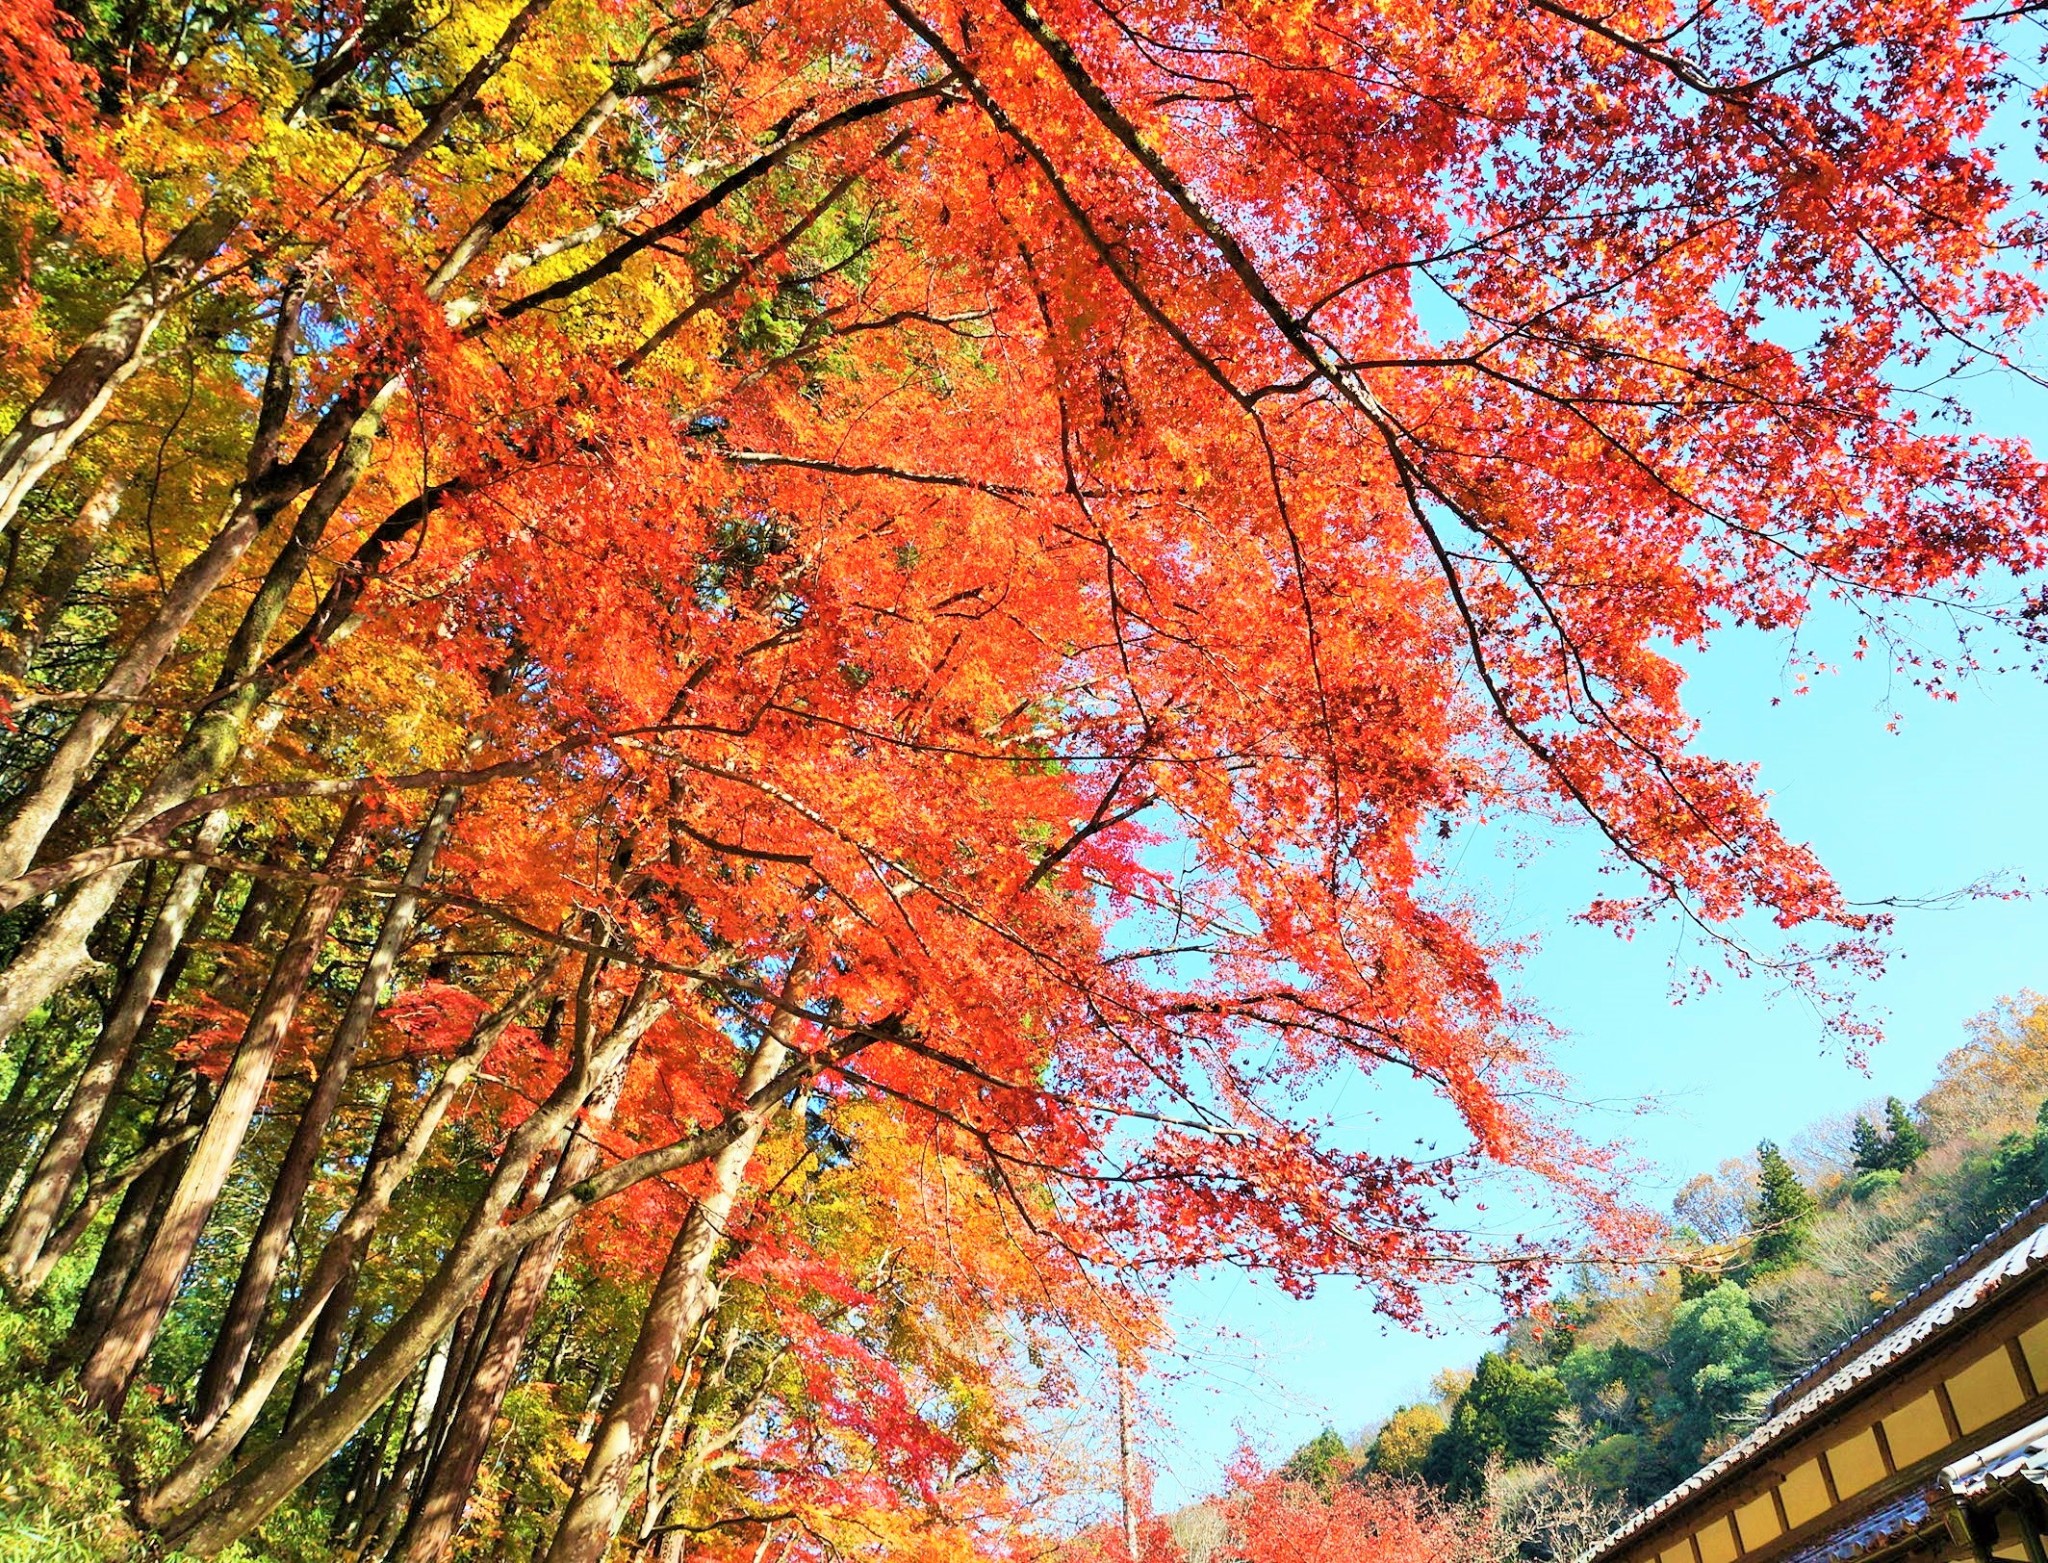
1630 1383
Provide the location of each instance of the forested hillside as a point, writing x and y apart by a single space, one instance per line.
1624 1386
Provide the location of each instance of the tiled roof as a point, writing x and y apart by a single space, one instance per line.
1879 1528
2024 1453
2015 1249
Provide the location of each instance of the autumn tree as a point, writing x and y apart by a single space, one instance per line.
1402 1445
1271 1517
592 586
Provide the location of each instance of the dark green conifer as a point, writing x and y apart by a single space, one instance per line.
1510 1409
1903 1139
1784 1212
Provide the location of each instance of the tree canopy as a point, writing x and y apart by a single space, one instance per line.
811 665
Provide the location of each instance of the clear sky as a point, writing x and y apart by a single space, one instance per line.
1947 794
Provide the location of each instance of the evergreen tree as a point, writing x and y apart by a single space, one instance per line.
1719 1360
1903 1140
2016 1174
1784 1212
1870 1151
1322 1462
1509 1409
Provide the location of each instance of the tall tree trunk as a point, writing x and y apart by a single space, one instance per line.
98 366
1126 1460
111 1366
324 1345
342 446
100 1192
184 1104
437 1513
344 1251
683 1298
31 602
222 1375
242 1502
386 1511
57 1170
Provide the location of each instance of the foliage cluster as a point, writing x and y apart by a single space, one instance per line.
711 715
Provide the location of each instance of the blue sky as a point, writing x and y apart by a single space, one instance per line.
1901 794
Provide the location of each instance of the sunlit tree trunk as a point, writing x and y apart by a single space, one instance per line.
445 1490
683 1298
342 1253
325 1344
242 1502
184 1104
108 1369
237 1333
57 1169
98 366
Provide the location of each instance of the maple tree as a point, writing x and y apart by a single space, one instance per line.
1261 1515
590 585
1270 1517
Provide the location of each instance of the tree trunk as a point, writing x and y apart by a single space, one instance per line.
100 1192
56 1171
340 445
382 1516
437 1513
238 1505
112 1365
343 1252
184 1104
29 605
359 1492
324 1345
56 954
683 1298
98 366
222 1375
